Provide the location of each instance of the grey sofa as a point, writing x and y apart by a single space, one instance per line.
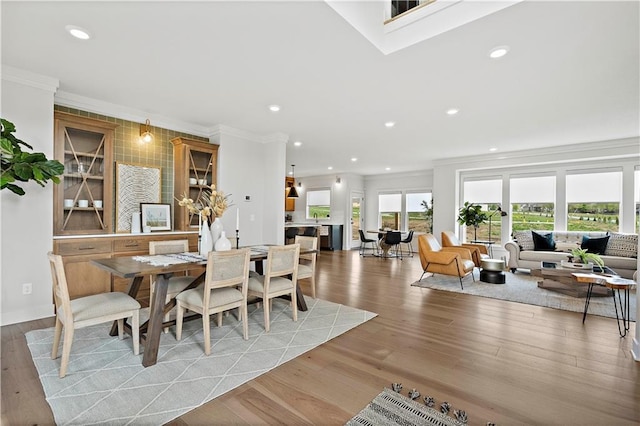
620 255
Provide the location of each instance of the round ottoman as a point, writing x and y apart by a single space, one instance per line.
492 271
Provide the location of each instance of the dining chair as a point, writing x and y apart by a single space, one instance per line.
176 283
279 279
393 239
225 288
86 311
307 264
408 242
363 244
290 234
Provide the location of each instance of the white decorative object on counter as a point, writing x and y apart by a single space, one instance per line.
223 243
216 230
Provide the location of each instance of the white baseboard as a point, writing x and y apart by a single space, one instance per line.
33 313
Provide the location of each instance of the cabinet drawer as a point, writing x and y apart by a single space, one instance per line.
132 244
71 248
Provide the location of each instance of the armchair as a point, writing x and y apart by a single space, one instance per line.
478 251
455 261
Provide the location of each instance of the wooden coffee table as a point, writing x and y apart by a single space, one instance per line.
561 280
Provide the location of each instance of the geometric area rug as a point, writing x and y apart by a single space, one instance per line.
107 384
523 288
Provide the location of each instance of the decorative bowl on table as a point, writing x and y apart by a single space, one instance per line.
574 265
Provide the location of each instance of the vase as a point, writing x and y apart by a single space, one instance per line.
216 230
223 243
206 242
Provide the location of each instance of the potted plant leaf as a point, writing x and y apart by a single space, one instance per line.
472 215
583 256
20 166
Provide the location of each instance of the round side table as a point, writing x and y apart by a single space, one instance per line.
492 271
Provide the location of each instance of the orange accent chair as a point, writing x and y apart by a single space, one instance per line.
478 251
455 261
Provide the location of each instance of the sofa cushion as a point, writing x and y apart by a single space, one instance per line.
524 239
566 247
624 245
543 242
594 245
547 256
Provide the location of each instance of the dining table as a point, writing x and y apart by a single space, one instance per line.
137 267
381 236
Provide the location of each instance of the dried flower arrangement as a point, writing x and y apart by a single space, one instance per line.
211 204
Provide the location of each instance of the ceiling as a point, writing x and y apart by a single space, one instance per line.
571 75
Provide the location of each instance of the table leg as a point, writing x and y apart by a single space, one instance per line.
156 316
586 301
624 311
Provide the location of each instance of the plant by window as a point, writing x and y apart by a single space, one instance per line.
19 166
472 215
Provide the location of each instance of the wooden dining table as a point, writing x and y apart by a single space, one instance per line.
136 270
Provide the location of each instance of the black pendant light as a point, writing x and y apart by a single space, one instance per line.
293 193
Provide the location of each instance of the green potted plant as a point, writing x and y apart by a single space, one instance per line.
472 215
19 166
583 256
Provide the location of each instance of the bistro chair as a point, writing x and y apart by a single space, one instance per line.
225 287
392 240
176 283
455 261
290 235
88 310
407 241
363 245
279 279
307 264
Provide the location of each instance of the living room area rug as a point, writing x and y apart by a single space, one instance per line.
104 373
523 288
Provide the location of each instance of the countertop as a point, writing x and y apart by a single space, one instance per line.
308 224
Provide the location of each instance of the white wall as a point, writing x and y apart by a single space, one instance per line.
26 223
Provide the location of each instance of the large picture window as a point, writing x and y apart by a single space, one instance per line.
487 193
593 201
318 204
419 207
389 208
532 203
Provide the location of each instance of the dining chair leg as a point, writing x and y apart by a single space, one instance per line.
179 315
244 317
294 303
206 328
135 331
66 349
313 285
56 338
266 315
120 328
219 318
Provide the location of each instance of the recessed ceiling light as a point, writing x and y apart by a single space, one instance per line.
274 108
387 168
493 149
354 159
498 52
330 168
78 32
297 143
291 172
452 111
390 124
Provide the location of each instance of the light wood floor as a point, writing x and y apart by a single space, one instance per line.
503 362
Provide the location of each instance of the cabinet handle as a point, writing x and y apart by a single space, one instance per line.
132 245
86 248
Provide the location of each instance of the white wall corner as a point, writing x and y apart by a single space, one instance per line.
28 78
27 314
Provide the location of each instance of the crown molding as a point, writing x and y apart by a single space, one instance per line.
126 113
221 129
28 78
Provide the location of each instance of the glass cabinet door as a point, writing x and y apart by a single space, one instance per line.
83 199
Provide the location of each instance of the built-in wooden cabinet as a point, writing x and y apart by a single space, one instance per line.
83 200
195 168
85 279
289 203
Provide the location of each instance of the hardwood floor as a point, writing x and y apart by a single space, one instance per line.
499 361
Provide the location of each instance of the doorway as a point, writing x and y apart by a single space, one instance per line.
357 219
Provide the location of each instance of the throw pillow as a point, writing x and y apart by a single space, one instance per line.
594 245
543 242
624 245
524 239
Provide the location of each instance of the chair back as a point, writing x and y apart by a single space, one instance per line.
362 236
170 246
60 289
283 260
228 268
449 239
393 237
307 243
291 233
409 237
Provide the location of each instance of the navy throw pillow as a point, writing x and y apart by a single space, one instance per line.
543 242
595 245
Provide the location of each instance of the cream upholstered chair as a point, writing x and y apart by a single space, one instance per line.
86 311
225 287
307 266
478 251
454 261
176 283
282 263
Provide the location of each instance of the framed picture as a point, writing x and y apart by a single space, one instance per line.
135 184
156 216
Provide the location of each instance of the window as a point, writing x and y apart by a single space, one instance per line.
487 193
593 201
532 203
318 203
389 208
419 211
